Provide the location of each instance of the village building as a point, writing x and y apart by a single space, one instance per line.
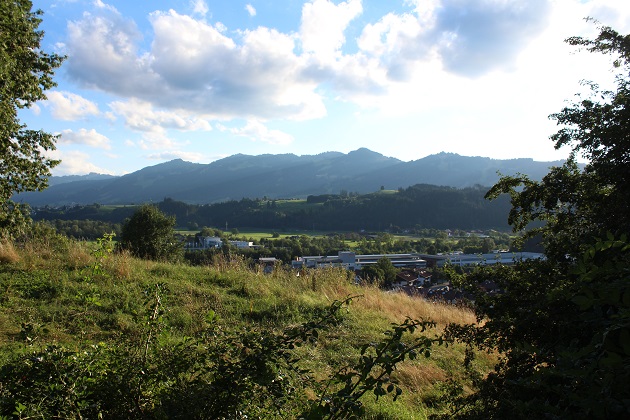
464 260
351 261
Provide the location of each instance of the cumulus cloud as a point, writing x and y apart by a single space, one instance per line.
74 163
323 26
100 5
257 131
35 109
192 65
199 7
70 106
475 37
250 9
202 68
141 116
466 38
102 53
85 137
157 141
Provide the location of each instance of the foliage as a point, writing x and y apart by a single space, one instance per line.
222 373
25 73
562 325
101 252
145 339
577 206
149 234
449 208
382 273
85 229
373 372
564 337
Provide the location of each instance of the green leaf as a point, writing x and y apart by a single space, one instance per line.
582 301
624 341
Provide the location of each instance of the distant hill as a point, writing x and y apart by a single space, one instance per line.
56 180
279 176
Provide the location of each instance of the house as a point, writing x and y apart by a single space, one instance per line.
268 263
205 242
412 278
242 244
212 242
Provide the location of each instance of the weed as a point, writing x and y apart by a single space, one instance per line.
100 253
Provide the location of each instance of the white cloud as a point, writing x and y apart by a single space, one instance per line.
177 154
140 115
100 5
199 7
74 163
257 131
193 67
69 106
221 78
477 37
35 109
323 26
102 53
86 137
157 141
250 9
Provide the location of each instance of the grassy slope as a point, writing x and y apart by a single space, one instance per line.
51 294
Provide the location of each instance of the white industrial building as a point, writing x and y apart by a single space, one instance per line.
352 261
461 259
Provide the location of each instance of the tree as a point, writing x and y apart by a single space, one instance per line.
382 273
149 234
562 326
25 73
577 206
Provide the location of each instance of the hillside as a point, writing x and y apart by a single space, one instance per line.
88 333
279 176
419 206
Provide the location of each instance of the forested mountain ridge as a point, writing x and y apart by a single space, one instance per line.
280 176
418 206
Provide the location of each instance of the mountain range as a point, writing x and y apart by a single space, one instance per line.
279 176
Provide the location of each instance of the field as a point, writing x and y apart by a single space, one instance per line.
167 330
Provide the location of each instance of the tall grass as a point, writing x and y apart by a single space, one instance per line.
53 294
8 254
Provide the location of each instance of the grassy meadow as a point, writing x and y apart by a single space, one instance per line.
67 302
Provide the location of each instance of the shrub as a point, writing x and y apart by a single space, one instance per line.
149 234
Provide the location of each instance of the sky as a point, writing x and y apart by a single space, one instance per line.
146 82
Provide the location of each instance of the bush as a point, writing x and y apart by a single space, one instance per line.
149 234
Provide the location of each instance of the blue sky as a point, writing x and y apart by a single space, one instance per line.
150 81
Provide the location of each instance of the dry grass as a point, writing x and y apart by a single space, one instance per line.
121 264
8 254
417 377
78 256
397 306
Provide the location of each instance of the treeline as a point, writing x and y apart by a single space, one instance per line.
84 212
416 207
84 229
